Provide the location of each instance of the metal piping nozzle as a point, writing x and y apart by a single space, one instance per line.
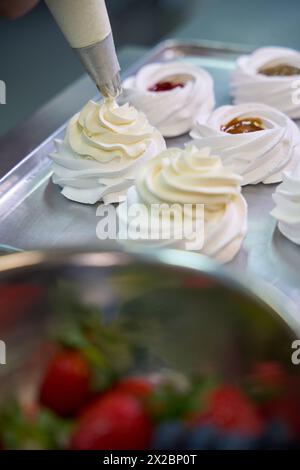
101 63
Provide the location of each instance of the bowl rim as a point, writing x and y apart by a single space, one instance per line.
257 290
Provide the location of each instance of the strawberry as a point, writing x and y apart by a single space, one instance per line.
16 300
230 410
66 384
139 387
114 421
287 410
269 374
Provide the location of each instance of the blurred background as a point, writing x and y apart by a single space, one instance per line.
36 63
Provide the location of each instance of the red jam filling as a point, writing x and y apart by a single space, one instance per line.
165 86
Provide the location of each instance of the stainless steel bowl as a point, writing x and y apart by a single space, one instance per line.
185 314
189 314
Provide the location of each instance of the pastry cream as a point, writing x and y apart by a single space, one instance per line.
193 176
103 146
287 209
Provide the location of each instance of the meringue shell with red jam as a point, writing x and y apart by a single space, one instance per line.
182 91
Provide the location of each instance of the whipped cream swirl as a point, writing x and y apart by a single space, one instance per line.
171 112
258 78
190 176
103 146
259 156
287 209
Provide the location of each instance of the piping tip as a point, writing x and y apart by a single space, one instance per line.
113 88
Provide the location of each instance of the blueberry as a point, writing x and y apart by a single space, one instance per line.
276 436
202 437
236 442
169 436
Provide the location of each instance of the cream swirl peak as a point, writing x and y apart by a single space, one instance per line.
103 146
287 209
269 75
253 140
171 94
188 176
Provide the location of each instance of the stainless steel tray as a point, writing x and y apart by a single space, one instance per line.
33 214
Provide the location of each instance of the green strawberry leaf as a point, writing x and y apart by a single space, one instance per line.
45 431
105 346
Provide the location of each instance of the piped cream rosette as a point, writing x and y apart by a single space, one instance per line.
190 176
171 111
287 206
103 147
269 75
253 140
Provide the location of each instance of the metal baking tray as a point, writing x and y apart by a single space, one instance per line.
34 215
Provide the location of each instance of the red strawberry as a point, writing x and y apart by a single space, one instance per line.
114 421
16 300
229 409
287 410
232 410
66 384
137 386
270 375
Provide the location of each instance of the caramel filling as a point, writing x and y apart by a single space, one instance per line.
280 70
243 125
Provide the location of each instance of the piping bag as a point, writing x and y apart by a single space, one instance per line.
86 26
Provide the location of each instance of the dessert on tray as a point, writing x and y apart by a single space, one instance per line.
287 209
269 75
171 94
103 146
180 178
252 139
